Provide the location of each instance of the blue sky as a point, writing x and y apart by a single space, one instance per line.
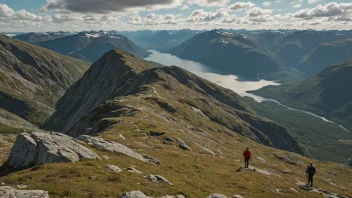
54 15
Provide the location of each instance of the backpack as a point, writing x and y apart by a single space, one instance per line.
312 170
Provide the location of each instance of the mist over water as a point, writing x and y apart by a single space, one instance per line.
231 82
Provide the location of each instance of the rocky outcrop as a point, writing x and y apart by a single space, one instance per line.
99 83
115 147
134 194
158 179
217 195
114 168
9 192
38 148
182 144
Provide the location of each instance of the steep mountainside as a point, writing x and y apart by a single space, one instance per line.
90 46
32 78
328 93
325 55
113 87
228 52
292 47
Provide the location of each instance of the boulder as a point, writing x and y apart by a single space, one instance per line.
237 196
182 144
158 179
134 194
42 147
176 196
9 192
216 195
115 147
133 170
114 168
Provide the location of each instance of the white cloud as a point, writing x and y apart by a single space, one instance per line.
298 5
312 1
209 3
267 3
241 6
331 10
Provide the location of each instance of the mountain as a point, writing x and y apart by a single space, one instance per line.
161 131
32 78
320 139
119 83
90 46
37 37
328 93
325 55
290 48
161 40
227 52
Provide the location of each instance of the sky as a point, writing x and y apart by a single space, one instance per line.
84 15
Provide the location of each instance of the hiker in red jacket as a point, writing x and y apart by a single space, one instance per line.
247 156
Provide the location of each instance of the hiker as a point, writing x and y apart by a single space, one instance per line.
247 156
310 171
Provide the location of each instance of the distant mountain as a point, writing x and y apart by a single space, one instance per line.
32 78
292 47
325 55
227 52
328 93
90 46
161 40
36 38
121 85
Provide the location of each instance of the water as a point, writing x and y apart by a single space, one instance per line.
227 81
231 82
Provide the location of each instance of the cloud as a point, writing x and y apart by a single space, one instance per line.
8 14
256 11
332 11
241 6
298 5
267 3
312 1
108 6
203 16
153 19
209 3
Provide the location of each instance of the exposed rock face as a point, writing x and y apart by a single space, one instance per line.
115 147
9 192
158 179
134 194
38 148
183 145
32 78
217 195
104 78
114 168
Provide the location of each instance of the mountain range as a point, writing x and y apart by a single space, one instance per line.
228 53
328 93
32 78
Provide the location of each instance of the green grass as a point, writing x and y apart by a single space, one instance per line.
321 139
4 129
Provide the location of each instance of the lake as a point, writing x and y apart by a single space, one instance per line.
231 82
227 81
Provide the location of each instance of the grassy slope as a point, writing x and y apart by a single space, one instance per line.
327 94
192 173
34 78
323 140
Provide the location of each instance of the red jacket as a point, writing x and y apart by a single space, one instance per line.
247 154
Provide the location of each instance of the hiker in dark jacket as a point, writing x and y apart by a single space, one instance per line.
247 156
310 171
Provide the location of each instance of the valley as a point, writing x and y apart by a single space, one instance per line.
151 113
